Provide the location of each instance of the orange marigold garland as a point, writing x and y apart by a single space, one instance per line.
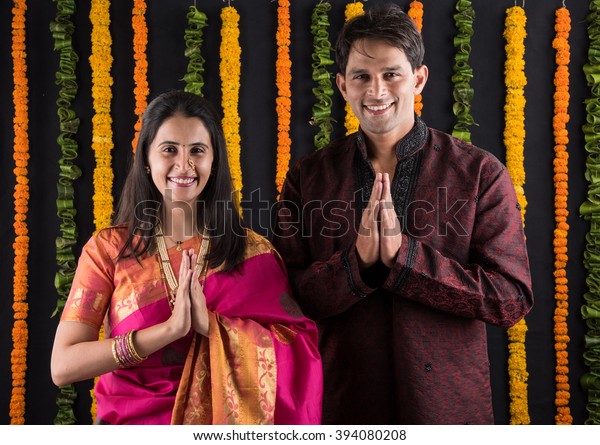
351 122
102 138
140 42
561 188
20 333
415 12
514 140
283 68
230 70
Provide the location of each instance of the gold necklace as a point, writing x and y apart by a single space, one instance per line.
178 243
166 271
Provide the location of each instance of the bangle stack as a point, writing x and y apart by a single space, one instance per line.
124 352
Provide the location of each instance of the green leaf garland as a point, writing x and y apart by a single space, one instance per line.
193 79
321 111
590 210
463 93
62 30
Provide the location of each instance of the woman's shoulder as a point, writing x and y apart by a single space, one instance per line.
111 239
257 244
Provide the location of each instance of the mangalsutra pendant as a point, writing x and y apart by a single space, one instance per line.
178 245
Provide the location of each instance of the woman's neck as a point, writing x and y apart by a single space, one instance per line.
179 223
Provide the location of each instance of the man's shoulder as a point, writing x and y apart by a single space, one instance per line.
452 146
330 153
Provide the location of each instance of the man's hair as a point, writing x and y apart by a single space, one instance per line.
387 23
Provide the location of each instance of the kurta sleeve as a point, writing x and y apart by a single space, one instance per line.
325 287
92 286
494 285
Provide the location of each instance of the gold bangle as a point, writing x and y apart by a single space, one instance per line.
115 354
132 350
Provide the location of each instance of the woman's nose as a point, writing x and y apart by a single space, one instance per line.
184 163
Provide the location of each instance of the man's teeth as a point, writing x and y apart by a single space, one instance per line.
377 107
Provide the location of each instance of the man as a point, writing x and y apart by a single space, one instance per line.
401 242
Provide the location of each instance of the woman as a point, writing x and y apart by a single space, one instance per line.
200 325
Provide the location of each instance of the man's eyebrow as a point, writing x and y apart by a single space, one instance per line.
384 69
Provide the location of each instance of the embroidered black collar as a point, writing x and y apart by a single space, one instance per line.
409 144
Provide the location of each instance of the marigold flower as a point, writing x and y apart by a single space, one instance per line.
351 122
20 333
559 122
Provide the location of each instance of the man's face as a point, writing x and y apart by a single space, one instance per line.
380 86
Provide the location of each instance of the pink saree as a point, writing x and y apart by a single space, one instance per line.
259 365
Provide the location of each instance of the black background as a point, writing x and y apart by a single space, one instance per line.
167 66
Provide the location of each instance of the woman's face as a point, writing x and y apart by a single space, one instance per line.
180 159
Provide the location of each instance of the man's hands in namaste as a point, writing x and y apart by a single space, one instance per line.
379 235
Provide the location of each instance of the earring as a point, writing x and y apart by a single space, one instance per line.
147 169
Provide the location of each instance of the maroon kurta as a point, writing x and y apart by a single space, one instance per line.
406 345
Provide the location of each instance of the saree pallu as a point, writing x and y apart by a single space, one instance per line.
259 365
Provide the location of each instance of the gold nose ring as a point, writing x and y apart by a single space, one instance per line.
191 164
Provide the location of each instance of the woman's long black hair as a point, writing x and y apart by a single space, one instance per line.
141 203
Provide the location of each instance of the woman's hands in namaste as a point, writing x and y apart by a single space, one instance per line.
190 311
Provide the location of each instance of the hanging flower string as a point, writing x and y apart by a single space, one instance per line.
62 31
20 333
140 43
230 87
194 80
321 110
283 78
415 12
514 140
102 138
561 189
351 121
463 73
590 210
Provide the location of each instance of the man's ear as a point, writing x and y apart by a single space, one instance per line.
340 80
421 75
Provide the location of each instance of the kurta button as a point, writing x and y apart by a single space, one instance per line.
520 297
436 147
427 367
